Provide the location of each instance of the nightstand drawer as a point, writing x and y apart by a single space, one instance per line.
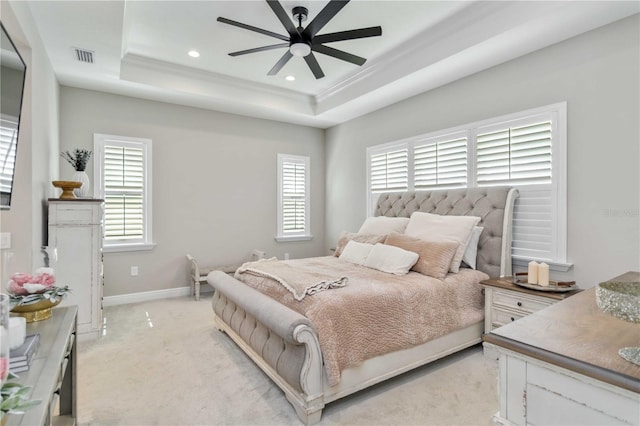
529 304
500 317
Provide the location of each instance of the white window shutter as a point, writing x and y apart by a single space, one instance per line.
293 197
124 193
533 223
389 171
515 155
440 164
8 139
123 178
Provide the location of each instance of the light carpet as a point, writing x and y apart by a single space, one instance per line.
164 363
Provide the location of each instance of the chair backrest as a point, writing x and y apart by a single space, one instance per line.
193 265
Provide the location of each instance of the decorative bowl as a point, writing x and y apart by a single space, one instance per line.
620 299
67 187
37 311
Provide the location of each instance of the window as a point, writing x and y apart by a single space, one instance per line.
526 150
123 179
8 140
293 198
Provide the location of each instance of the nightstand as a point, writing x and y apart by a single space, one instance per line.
505 302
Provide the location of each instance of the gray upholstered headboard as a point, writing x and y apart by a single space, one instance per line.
493 205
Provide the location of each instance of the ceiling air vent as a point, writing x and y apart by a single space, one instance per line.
83 55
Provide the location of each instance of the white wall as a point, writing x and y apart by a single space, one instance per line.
36 163
597 74
214 183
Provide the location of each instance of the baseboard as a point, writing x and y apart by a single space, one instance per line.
145 296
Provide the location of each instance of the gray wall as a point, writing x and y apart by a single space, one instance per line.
37 149
597 74
214 183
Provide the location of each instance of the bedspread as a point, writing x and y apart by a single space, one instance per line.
376 312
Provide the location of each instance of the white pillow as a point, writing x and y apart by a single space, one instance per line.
356 252
382 225
390 259
433 227
471 253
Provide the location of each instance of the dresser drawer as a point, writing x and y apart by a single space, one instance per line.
501 317
520 302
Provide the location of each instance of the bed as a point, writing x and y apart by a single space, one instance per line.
286 344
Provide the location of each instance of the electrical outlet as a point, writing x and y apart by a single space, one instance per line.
5 240
134 271
286 256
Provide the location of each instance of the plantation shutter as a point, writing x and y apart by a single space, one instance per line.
293 197
389 171
515 155
124 193
440 164
520 155
8 139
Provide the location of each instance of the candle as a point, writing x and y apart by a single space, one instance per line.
17 331
543 274
532 275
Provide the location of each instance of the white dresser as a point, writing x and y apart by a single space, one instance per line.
561 366
76 230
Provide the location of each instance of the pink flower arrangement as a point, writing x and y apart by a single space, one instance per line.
22 284
25 289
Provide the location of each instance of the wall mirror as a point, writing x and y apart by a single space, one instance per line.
12 78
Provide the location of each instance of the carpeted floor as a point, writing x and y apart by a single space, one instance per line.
164 363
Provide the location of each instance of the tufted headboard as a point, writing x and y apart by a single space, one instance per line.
494 206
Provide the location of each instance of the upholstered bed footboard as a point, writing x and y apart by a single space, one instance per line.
281 341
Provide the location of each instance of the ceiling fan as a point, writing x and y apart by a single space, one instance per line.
304 41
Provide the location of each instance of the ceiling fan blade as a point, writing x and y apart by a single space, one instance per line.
259 49
314 66
281 62
283 17
339 54
321 19
348 35
252 28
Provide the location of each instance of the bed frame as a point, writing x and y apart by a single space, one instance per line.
284 344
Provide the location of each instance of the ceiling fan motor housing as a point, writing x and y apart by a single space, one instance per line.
300 13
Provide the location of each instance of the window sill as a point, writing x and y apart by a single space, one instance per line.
553 266
292 238
114 248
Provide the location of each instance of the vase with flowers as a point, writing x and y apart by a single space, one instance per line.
79 158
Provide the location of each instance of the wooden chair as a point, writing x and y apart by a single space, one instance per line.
199 274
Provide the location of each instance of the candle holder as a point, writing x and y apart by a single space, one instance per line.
521 279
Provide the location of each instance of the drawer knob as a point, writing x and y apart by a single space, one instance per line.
519 303
513 319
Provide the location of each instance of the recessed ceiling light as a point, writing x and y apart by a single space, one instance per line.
289 78
194 53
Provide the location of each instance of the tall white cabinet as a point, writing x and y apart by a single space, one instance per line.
76 230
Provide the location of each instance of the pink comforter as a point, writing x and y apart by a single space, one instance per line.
376 312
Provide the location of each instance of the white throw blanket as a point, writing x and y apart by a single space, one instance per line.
299 283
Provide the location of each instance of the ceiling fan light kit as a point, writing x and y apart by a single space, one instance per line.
303 42
300 49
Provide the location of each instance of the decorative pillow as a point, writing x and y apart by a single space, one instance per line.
434 257
471 252
356 252
433 227
382 225
345 237
392 260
